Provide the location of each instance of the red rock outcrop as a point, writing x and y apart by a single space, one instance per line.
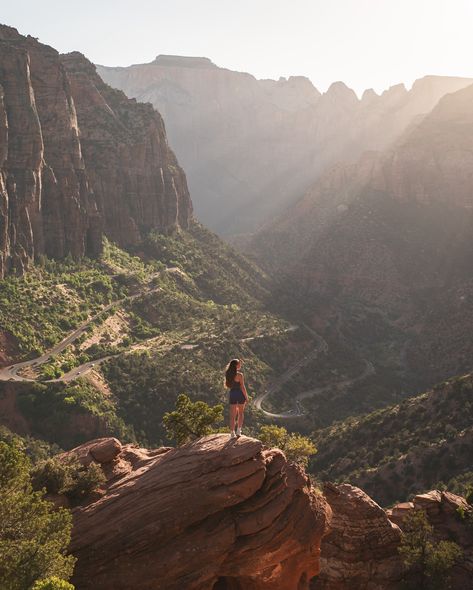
444 510
360 552
77 159
214 514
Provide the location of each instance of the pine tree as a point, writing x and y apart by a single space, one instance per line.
191 420
428 563
34 535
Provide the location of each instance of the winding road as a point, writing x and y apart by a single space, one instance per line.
10 373
298 411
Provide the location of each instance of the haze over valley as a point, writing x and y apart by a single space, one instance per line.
160 219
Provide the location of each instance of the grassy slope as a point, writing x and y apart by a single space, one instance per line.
214 299
403 449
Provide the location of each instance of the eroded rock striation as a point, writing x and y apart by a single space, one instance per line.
360 552
214 514
77 159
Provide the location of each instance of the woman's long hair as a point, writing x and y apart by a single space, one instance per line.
230 372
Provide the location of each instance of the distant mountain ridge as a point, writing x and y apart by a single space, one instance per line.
394 233
251 147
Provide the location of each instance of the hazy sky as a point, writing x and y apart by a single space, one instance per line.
365 43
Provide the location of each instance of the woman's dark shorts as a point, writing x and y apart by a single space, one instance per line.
237 396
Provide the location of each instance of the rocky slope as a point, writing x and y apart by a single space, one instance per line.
393 236
215 514
218 514
77 159
250 147
396 452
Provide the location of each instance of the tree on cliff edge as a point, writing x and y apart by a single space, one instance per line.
428 563
34 535
191 420
296 447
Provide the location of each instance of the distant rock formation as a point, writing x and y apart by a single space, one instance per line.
394 231
250 147
213 515
77 159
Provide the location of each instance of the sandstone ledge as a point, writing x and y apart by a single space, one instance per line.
217 513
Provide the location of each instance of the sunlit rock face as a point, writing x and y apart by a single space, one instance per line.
213 514
77 159
250 147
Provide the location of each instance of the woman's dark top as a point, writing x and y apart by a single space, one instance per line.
236 384
236 393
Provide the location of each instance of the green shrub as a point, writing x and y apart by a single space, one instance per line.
34 535
52 583
296 447
67 477
428 563
191 420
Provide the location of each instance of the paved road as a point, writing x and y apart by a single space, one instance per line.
298 410
10 373
320 348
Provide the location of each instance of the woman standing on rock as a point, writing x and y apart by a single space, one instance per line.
238 395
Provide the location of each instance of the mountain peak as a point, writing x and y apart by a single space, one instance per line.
369 95
184 61
397 90
340 92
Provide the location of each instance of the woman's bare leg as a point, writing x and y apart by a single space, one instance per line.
241 412
233 411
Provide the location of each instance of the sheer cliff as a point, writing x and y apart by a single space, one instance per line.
250 147
77 159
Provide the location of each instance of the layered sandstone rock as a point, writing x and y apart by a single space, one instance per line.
446 512
360 552
214 514
77 159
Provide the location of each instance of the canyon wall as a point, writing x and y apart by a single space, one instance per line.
250 147
393 233
77 159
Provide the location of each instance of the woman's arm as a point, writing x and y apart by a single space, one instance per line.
242 385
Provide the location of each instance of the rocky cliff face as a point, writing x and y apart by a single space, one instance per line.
214 514
219 514
77 159
361 550
249 146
